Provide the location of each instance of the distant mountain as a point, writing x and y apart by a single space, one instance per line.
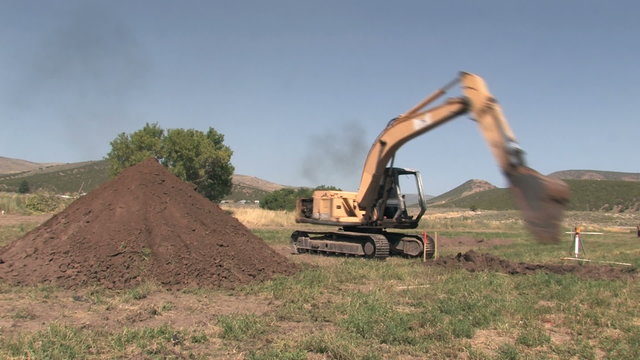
11 166
411 200
586 195
252 181
250 188
468 188
595 175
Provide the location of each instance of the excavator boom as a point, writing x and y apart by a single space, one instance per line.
541 199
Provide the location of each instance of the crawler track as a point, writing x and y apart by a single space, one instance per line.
371 245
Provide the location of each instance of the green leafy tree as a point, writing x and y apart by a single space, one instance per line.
130 149
23 188
285 199
200 158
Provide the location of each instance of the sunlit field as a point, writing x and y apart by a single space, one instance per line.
351 308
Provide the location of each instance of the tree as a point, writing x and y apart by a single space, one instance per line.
285 199
23 188
200 158
130 149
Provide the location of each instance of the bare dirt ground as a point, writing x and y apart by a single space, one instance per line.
471 242
474 261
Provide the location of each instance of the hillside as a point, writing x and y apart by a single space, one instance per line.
606 195
11 166
595 175
491 199
586 195
590 189
60 179
250 188
86 176
466 189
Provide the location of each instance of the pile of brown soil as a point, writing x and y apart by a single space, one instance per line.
473 261
146 224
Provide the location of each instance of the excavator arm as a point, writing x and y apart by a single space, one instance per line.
541 199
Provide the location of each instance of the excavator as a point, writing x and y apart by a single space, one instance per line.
364 217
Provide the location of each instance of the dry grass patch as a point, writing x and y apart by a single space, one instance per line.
489 341
255 217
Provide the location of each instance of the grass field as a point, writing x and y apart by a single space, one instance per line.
348 308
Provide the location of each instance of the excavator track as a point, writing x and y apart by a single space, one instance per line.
370 245
341 242
382 246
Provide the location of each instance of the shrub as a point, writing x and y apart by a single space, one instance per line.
23 188
42 203
285 199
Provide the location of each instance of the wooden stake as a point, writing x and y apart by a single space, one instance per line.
424 245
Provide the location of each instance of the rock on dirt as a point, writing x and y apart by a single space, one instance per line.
146 224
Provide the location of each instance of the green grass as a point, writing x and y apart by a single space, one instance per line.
277 354
139 292
372 316
340 346
350 308
150 340
9 233
55 342
274 236
239 327
58 341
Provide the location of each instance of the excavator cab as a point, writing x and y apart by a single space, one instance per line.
392 205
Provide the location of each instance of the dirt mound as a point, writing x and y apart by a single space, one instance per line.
473 261
146 224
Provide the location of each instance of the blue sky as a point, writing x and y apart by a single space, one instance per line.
300 89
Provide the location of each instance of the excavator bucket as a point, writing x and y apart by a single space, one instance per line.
542 201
